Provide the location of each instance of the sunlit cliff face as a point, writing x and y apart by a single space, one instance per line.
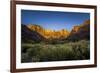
77 28
49 34
60 34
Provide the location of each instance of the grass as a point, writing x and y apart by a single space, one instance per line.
43 52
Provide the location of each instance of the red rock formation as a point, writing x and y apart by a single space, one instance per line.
49 34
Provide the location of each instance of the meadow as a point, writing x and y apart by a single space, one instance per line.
43 52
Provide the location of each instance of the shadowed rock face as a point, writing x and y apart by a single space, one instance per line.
29 35
80 32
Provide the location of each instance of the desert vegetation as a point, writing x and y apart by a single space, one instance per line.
41 52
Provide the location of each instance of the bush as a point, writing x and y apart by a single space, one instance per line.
43 52
25 58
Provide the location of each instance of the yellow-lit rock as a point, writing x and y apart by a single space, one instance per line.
49 34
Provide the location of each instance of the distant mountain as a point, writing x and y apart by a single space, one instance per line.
34 32
49 34
29 35
80 32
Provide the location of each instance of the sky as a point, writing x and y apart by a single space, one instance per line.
53 20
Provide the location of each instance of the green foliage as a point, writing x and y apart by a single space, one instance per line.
42 52
25 58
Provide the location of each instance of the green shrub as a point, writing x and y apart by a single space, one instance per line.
25 58
43 52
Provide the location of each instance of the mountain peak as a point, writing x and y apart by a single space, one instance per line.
81 31
86 22
63 33
48 33
75 29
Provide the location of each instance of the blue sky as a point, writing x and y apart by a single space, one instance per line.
53 20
